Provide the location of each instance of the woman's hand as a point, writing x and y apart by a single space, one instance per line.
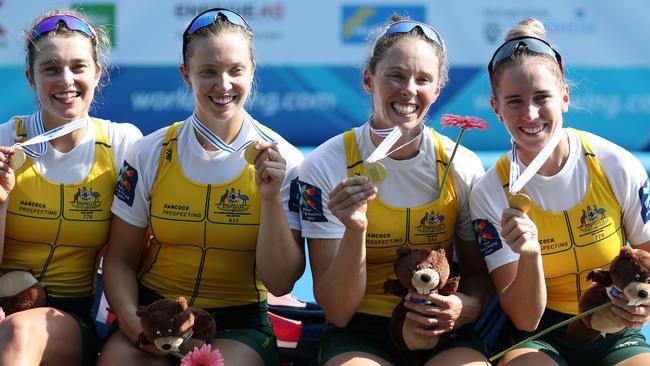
519 232
633 316
7 176
437 318
130 326
270 169
348 201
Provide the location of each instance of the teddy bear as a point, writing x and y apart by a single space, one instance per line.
20 290
424 270
628 274
174 327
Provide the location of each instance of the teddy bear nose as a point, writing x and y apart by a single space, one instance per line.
643 294
166 347
425 277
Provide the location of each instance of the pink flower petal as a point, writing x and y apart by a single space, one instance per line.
203 356
467 122
2 315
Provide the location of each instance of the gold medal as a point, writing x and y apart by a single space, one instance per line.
376 172
251 154
520 202
17 159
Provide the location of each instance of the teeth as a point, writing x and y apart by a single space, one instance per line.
66 95
533 130
222 100
404 108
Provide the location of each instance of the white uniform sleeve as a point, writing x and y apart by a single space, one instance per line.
629 181
467 169
320 173
289 191
121 136
487 202
137 174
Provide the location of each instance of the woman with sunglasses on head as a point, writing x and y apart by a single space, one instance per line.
57 216
222 229
354 227
585 200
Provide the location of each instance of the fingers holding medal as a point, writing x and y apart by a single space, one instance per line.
269 164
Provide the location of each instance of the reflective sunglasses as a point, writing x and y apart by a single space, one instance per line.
50 23
406 26
534 44
208 17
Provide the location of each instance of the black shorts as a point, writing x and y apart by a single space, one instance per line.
608 350
369 334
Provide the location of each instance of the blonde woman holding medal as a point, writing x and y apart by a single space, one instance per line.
51 229
561 203
375 188
224 230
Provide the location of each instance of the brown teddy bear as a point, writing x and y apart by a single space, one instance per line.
628 274
426 271
19 290
173 326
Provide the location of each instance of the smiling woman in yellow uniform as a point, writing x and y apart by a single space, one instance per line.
58 213
224 231
587 199
354 227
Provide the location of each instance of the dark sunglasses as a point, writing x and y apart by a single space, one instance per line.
50 23
534 44
208 17
406 26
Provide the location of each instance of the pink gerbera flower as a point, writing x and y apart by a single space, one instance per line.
203 356
465 123
2 315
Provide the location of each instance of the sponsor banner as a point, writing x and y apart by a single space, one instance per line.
293 32
309 104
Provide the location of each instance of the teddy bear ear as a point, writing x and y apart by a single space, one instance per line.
626 252
141 311
600 276
403 250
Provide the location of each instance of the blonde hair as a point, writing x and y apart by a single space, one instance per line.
530 27
100 44
384 42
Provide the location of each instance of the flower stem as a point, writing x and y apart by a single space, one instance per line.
453 153
552 328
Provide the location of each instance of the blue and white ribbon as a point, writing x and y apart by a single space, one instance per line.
43 137
517 181
217 142
390 135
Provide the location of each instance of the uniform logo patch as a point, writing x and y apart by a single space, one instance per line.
592 218
232 201
311 203
294 195
86 199
487 237
431 222
644 196
126 182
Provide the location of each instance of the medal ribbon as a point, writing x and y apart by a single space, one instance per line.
517 181
217 142
390 135
43 137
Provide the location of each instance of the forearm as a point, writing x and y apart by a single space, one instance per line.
524 299
340 289
478 291
121 289
280 259
3 220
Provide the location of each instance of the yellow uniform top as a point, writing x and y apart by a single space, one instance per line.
205 235
576 240
57 230
431 225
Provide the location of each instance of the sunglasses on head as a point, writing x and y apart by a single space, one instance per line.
208 17
534 44
50 24
406 26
